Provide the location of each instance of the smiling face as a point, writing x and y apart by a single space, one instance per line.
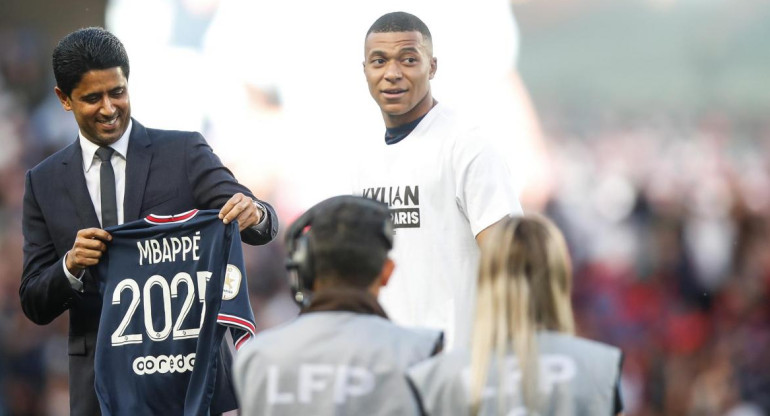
100 104
398 68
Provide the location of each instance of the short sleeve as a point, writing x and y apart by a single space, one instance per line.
235 311
484 186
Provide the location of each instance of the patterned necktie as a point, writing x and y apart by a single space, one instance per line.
107 185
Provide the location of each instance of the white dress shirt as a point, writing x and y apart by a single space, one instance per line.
91 170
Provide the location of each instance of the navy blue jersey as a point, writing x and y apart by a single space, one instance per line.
171 286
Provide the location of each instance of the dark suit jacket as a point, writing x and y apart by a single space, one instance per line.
167 172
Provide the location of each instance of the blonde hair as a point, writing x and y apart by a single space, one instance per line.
524 285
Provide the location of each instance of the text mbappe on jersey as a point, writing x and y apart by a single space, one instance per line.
404 203
171 249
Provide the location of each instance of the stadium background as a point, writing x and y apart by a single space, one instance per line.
654 115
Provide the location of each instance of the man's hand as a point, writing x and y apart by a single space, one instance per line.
242 208
87 250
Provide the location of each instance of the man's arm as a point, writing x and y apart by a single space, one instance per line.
485 232
249 212
90 244
214 186
45 291
485 188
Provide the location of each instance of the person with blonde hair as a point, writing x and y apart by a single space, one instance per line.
524 358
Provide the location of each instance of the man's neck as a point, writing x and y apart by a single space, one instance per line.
336 299
394 135
418 111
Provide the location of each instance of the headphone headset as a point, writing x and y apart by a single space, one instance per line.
299 261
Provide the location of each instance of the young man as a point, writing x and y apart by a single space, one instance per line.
444 183
116 171
342 355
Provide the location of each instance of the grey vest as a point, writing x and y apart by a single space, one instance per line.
577 377
331 363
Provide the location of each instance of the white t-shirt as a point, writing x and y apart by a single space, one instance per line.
444 184
309 54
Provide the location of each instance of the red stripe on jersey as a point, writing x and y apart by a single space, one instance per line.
242 340
166 219
234 320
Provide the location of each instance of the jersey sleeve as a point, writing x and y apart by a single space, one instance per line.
235 311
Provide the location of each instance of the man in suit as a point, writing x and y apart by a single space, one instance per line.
116 171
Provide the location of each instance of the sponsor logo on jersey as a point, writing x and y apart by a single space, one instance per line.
163 364
403 201
232 282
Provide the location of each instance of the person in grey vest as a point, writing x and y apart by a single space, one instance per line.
524 358
341 356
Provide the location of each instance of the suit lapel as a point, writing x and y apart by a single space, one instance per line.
138 159
76 186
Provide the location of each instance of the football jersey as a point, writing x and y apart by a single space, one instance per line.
171 286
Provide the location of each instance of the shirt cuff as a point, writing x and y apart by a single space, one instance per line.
75 282
260 226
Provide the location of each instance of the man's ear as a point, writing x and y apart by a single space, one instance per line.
433 67
383 278
63 98
387 270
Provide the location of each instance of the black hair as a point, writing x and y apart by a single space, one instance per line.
400 22
350 242
84 50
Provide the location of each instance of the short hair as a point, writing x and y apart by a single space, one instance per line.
400 22
350 241
84 50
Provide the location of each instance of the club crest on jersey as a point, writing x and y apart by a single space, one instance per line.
232 282
403 202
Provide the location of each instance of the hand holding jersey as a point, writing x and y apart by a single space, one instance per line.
241 208
90 242
171 286
89 245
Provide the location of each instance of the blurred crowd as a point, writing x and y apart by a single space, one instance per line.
667 219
